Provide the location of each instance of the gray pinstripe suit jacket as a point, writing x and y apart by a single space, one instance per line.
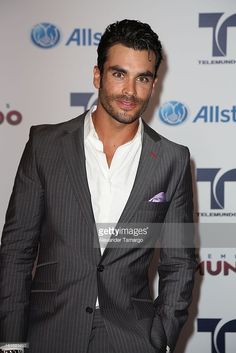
50 213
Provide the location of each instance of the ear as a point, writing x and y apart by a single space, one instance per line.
96 77
154 85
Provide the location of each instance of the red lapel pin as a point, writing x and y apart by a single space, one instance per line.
153 154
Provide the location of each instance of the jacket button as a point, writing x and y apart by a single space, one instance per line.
100 268
89 310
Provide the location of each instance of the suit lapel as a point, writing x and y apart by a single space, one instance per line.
149 160
73 149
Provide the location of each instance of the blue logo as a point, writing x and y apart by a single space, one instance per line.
219 24
84 37
82 100
45 35
217 182
218 329
215 114
173 113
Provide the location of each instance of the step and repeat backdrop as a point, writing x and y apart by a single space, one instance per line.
48 50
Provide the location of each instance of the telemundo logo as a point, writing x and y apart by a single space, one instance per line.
175 113
217 180
45 35
85 100
218 330
219 24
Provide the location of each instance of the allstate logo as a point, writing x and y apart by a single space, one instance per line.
45 35
173 113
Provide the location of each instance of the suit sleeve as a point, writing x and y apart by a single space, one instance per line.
177 255
19 247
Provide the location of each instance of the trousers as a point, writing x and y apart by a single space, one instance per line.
99 341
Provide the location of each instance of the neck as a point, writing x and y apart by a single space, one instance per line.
112 132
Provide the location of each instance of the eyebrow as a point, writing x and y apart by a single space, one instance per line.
120 69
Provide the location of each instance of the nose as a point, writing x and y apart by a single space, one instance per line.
130 87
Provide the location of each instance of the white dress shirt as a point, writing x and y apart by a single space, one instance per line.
110 187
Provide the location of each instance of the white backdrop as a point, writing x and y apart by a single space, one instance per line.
36 87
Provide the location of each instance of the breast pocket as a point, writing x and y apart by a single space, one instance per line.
152 212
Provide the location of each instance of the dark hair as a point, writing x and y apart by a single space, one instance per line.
131 33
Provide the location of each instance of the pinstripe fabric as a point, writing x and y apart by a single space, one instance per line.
50 212
99 341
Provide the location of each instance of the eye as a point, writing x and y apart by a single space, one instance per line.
144 79
118 74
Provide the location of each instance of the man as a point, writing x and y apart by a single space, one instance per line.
105 166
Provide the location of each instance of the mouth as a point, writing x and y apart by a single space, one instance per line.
126 104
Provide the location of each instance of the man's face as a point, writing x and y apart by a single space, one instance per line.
126 83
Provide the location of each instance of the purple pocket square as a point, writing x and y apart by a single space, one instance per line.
160 197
